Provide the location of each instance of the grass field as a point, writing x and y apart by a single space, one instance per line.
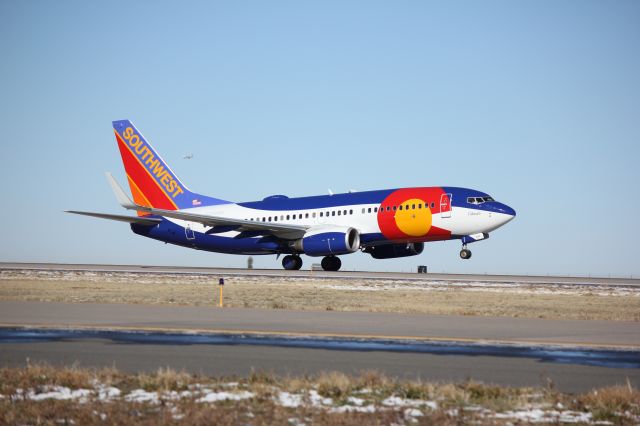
41 394
421 297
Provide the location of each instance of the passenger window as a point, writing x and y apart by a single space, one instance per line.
306 215
338 212
433 204
320 214
313 214
288 217
369 210
275 218
395 208
264 219
333 213
419 206
400 207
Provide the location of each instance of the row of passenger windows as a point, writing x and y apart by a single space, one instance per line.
332 213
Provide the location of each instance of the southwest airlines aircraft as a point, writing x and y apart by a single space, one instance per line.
386 224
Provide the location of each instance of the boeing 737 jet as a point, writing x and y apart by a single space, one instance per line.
386 224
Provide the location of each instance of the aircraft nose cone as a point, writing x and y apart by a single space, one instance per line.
508 210
505 209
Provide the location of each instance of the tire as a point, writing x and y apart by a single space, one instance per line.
289 262
298 264
331 263
465 254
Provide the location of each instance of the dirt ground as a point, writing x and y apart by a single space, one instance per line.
421 297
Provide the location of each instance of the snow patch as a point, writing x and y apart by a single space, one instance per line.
355 401
60 393
395 401
541 416
318 400
412 412
141 395
353 409
107 393
291 400
226 396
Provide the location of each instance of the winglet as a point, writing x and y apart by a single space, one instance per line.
121 196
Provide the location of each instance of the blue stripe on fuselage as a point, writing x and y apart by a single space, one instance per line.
319 201
171 233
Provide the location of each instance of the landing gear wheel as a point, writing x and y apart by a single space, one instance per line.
331 263
291 262
465 254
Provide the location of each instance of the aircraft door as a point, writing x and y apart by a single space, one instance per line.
189 233
445 205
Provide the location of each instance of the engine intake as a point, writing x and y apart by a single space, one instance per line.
328 240
390 251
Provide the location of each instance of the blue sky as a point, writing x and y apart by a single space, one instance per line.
536 103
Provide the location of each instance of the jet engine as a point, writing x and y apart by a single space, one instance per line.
328 240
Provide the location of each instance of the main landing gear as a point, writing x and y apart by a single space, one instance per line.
465 253
291 262
331 263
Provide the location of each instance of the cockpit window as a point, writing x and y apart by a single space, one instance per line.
479 200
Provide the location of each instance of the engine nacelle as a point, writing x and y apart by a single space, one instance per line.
389 251
326 241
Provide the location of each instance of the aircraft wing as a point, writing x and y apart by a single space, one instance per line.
118 217
286 231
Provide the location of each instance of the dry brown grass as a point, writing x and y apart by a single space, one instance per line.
317 294
609 403
619 405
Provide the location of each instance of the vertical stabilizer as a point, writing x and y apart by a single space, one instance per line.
152 182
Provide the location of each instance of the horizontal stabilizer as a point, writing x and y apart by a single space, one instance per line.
130 219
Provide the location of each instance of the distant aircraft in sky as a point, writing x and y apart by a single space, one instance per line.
187 156
386 224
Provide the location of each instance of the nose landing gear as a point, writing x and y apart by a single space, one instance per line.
291 262
465 253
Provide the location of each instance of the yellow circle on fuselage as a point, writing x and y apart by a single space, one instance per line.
412 220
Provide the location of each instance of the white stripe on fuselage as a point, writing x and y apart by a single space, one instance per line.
462 221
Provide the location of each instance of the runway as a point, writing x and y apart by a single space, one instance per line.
226 272
238 357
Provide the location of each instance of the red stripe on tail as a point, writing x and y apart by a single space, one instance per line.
143 180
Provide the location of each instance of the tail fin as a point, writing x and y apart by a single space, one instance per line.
152 182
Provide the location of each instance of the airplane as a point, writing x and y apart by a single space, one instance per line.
187 156
385 224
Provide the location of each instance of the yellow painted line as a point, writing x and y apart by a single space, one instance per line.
318 334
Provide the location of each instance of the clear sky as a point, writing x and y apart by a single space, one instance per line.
536 103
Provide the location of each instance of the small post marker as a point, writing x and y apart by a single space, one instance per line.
221 285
